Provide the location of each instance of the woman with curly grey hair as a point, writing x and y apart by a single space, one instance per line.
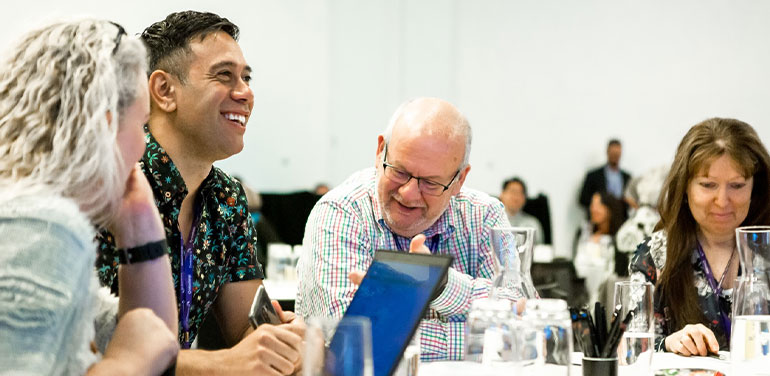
73 100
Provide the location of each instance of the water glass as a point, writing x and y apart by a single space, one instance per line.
410 362
637 345
488 332
338 347
750 339
544 343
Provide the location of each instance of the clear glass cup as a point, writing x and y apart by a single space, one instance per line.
637 344
410 362
513 247
338 347
543 344
750 334
488 331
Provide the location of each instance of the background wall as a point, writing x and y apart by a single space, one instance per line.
545 84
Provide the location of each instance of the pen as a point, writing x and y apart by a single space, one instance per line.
600 315
594 345
614 327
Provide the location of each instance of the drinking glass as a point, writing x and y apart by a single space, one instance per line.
335 347
750 339
543 339
513 247
636 346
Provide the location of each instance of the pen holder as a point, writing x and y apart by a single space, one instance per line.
600 366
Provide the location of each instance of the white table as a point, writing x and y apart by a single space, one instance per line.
281 289
659 361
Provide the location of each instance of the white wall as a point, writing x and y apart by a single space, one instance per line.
544 83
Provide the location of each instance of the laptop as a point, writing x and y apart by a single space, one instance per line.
394 295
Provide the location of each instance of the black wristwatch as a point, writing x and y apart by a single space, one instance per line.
146 252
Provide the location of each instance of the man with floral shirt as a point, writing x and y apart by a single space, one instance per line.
200 104
413 199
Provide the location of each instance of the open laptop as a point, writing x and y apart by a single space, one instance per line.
394 295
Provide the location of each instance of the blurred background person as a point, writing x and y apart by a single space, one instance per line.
513 197
719 180
642 195
73 99
609 178
594 248
321 189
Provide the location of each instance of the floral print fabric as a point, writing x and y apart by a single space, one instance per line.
646 265
224 248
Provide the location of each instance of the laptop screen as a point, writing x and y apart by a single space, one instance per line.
394 295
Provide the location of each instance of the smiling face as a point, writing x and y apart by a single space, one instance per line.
719 197
422 146
214 102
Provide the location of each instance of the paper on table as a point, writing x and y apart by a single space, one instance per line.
664 360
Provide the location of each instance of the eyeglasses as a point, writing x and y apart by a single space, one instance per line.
426 186
121 33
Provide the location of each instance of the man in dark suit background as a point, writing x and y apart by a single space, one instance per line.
608 178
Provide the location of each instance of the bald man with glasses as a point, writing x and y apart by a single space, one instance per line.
412 200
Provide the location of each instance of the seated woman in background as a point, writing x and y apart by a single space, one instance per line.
73 100
594 247
719 180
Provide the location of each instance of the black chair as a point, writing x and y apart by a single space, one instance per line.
538 208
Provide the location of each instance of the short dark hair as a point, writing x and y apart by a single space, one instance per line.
613 141
168 41
516 179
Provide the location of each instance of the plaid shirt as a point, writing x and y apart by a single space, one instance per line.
346 227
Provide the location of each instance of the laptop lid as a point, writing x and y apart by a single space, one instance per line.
394 295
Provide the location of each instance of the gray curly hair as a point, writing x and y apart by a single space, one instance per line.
57 85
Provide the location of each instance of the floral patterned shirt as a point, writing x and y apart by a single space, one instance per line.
647 264
224 248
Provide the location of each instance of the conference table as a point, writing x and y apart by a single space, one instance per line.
660 360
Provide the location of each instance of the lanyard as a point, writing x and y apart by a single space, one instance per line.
717 288
185 282
434 241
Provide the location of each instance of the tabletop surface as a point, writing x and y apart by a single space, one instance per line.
660 360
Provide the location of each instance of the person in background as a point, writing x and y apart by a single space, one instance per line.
413 200
642 195
513 197
594 247
200 104
73 99
719 180
609 178
321 189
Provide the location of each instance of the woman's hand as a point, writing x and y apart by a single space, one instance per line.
692 340
137 221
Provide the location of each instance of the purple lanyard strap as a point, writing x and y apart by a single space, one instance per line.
185 281
717 288
434 241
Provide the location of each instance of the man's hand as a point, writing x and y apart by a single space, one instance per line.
294 324
692 340
269 350
416 246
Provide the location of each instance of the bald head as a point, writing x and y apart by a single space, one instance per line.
432 117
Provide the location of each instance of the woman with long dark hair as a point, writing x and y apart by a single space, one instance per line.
719 180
